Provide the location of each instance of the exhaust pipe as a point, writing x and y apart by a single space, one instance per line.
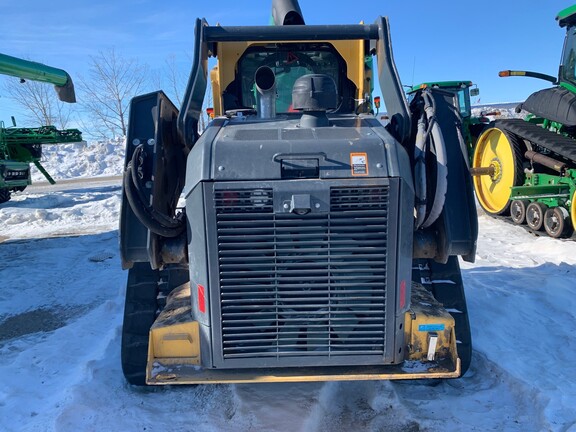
265 81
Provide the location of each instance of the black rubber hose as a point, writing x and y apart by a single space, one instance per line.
437 143
144 213
160 217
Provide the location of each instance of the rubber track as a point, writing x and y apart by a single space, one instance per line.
552 141
139 314
444 281
146 293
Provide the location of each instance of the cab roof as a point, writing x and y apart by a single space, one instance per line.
441 84
567 17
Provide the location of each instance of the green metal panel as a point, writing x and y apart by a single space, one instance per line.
568 86
549 189
10 166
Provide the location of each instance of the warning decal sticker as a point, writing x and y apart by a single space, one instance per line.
359 164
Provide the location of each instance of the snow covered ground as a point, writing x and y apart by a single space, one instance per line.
61 302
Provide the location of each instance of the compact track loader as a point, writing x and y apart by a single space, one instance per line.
314 242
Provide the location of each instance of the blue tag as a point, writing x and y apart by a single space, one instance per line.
430 327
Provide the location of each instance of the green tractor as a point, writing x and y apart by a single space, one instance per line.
19 147
471 126
527 168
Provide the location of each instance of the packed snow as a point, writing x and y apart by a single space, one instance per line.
61 306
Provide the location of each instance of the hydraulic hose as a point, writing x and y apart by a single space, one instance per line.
437 141
137 160
420 171
158 223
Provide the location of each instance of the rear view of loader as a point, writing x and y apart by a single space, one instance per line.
527 168
314 242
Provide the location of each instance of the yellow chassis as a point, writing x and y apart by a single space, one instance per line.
174 350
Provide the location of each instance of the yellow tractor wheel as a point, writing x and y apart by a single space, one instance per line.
496 167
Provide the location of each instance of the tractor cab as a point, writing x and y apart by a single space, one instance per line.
471 126
567 70
462 89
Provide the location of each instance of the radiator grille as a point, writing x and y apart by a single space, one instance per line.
310 285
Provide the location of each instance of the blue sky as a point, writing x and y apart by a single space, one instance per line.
440 40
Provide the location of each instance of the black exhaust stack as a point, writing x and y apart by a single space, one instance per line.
286 12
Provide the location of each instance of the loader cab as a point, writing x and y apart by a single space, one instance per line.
233 78
288 64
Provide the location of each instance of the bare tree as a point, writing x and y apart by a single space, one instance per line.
171 80
112 81
39 102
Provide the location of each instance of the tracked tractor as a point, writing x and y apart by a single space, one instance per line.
19 147
296 238
526 169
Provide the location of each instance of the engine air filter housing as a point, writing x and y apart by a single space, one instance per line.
314 92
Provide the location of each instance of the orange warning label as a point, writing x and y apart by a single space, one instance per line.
359 164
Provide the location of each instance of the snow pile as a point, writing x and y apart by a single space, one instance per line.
96 158
79 210
505 111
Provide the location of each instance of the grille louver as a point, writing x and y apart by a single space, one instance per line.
302 285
